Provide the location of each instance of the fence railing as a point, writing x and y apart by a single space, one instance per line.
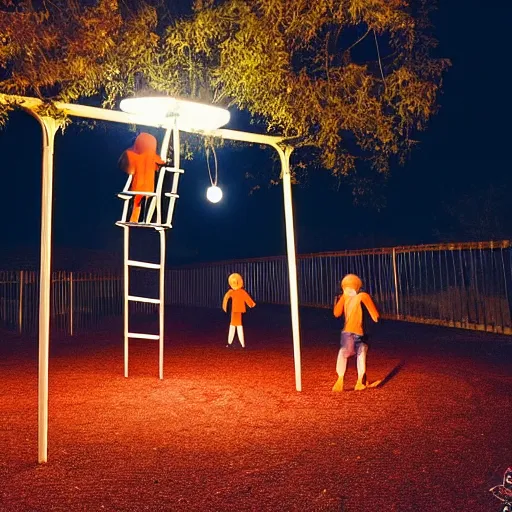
465 285
79 300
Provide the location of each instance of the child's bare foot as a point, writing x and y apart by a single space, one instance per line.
338 386
359 386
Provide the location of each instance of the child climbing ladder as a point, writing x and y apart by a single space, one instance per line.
141 161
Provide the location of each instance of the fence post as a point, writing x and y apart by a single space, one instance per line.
20 304
71 303
395 275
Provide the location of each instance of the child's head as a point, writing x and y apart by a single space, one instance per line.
144 142
351 284
235 281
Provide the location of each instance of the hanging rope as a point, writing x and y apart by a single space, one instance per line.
212 180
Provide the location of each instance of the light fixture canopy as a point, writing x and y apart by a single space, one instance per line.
214 194
163 109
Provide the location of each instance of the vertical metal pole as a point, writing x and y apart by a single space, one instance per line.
71 303
126 233
395 274
163 155
176 144
156 202
49 127
20 303
162 305
284 156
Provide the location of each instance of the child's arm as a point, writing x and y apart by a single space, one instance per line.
370 306
248 300
339 306
126 162
225 301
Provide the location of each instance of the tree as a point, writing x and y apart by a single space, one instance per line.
293 64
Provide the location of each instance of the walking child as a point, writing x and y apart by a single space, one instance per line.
350 304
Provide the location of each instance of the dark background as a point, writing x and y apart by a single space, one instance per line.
456 185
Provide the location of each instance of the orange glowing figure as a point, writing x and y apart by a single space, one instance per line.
141 161
239 299
352 336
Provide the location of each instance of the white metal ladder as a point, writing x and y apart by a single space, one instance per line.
153 216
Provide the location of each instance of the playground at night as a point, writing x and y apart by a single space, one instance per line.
251 261
226 430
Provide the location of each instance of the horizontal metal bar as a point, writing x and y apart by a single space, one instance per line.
172 194
143 336
123 117
134 298
174 169
143 225
143 264
456 246
137 193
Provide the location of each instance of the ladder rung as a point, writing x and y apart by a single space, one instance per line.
174 169
143 225
136 193
172 194
143 336
134 298
143 264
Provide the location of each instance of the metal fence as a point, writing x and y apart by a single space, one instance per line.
465 285
79 300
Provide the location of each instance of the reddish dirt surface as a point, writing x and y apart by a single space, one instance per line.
226 430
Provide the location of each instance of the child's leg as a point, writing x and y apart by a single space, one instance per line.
341 367
362 349
136 209
231 334
240 332
341 363
135 214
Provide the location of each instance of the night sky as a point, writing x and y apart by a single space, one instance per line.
455 186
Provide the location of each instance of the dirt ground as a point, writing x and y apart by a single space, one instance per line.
226 431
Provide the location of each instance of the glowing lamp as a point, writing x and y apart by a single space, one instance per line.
162 109
214 194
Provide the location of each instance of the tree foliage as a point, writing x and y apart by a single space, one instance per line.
293 64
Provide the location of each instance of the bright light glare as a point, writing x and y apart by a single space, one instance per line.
191 115
214 194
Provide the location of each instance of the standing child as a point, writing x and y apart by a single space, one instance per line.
239 298
350 304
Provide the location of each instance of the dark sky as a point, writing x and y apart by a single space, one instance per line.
455 186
